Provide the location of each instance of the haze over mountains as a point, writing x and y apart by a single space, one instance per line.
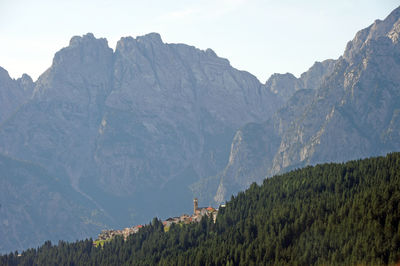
114 138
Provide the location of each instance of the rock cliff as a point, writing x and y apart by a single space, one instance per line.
13 93
353 113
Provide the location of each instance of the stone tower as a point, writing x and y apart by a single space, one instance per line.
195 205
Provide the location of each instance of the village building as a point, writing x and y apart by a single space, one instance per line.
198 214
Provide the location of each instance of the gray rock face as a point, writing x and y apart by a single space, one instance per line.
285 85
351 112
354 113
254 148
130 130
57 127
181 101
312 78
13 93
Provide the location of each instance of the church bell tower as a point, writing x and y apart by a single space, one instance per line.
195 205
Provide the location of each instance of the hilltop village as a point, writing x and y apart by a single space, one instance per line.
198 213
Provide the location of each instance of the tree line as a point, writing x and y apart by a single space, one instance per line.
329 214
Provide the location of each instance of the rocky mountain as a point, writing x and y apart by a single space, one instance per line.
13 93
113 138
285 85
127 130
353 113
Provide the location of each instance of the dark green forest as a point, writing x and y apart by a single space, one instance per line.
329 214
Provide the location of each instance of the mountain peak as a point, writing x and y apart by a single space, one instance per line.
4 73
283 85
145 40
387 28
84 39
86 56
26 83
152 37
26 77
83 45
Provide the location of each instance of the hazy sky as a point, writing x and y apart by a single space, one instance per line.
262 37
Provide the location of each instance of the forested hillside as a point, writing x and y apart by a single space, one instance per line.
328 214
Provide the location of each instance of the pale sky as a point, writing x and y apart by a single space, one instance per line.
260 36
